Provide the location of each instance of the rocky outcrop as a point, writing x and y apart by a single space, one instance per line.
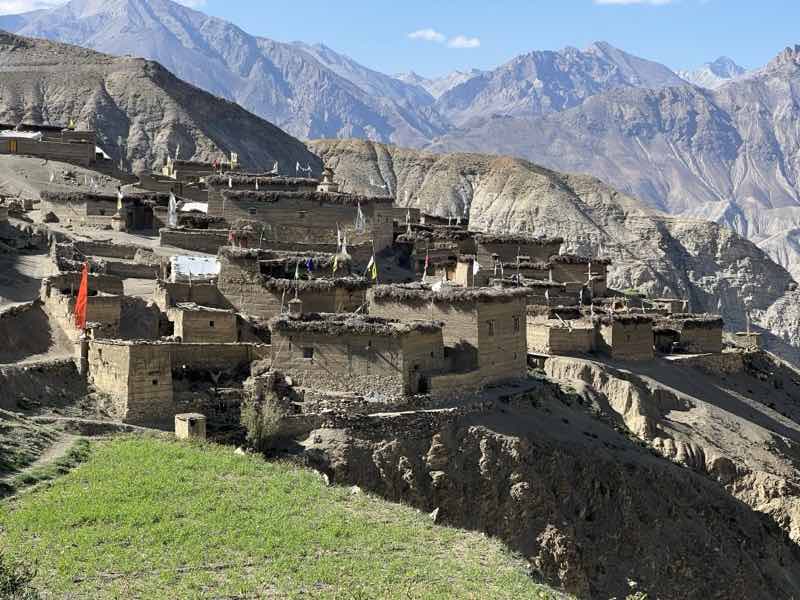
140 110
559 480
710 265
738 426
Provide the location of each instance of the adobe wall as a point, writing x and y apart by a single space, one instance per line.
105 310
503 354
307 221
554 338
80 153
701 340
726 363
423 355
208 241
132 270
138 376
107 284
563 272
106 249
508 251
240 283
368 366
460 331
627 341
204 326
167 294
21 383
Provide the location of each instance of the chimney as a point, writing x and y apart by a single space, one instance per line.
296 308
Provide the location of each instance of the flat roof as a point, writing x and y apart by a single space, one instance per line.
508 238
337 324
308 196
420 293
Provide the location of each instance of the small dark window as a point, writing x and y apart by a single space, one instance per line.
252 212
516 324
155 381
301 214
308 353
211 323
491 327
102 212
432 354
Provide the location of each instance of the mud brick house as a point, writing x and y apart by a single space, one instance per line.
138 377
380 359
195 323
484 328
626 336
192 171
569 268
491 248
261 283
669 305
699 334
50 142
303 215
139 211
542 293
440 245
561 337
104 306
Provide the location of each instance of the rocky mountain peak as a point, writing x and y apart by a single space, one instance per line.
789 56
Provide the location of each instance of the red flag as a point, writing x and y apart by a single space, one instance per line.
83 299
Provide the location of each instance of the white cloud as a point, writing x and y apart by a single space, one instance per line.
626 2
462 41
457 41
428 35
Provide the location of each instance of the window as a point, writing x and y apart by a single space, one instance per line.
491 327
301 214
308 353
251 212
102 212
516 324
155 381
211 324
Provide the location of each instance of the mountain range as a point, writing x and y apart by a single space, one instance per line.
141 111
717 143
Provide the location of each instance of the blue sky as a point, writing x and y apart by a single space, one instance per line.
679 33
459 34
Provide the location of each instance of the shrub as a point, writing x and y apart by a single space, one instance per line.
15 580
262 422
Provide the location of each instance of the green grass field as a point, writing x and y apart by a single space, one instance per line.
144 518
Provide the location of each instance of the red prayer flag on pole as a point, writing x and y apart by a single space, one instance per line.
83 299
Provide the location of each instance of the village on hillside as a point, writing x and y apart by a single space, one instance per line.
183 295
